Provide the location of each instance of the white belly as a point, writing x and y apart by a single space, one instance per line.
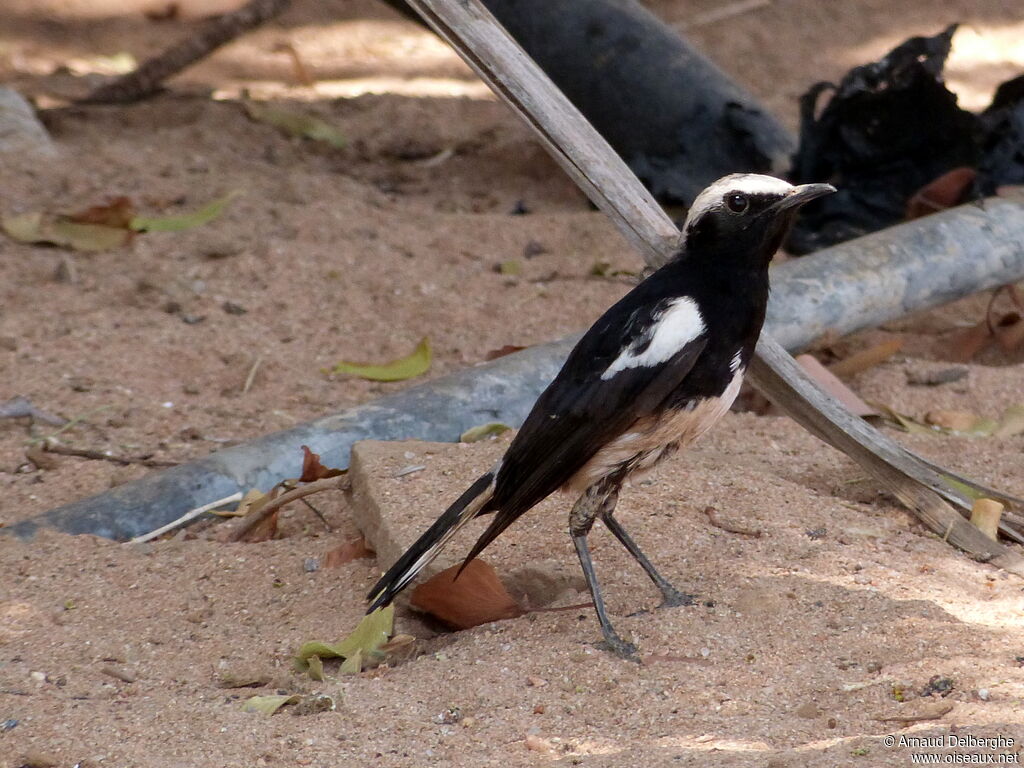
650 440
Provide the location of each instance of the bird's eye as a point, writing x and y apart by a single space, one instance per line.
737 203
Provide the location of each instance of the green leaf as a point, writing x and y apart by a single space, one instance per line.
475 434
204 215
409 367
510 267
372 632
37 227
268 705
300 124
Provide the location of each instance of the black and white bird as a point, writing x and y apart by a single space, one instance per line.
649 377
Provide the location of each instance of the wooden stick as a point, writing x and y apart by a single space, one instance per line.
149 77
588 159
187 517
88 453
253 519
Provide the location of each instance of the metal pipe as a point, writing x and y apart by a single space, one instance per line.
855 285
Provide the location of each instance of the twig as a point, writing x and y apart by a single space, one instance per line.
21 407
723 13
716 521
943 709
252 374
252 520
319 514
87 453
148 78
188 516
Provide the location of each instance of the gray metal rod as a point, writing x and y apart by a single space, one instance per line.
854 285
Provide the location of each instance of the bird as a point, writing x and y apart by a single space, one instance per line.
649 377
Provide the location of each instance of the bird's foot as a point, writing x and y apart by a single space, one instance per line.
619 647
673 598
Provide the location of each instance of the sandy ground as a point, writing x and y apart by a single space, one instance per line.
359 252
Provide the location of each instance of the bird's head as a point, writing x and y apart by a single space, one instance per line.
745 216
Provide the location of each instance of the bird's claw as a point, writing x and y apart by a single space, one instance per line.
673 598
620 648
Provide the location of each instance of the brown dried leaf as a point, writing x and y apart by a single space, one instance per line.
118 213
508 349
312 469
866 358
941 193
965 344
264 530
353 549
959 421
1009 332
476 597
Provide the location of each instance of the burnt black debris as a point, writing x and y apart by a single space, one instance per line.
890 127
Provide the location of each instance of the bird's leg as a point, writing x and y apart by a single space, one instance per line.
670 595
581 520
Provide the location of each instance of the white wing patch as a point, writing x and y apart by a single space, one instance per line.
675 327
734 364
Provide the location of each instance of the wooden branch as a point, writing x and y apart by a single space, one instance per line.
339 482
588 159
149 77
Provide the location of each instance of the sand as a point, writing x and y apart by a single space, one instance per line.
807 634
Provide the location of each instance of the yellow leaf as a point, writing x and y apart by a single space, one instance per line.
268 705
37 227
372 632
409 367
300 124
475 434
204 215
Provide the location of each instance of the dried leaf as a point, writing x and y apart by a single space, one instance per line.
204 215
38 227
352 665
475 434
944 192
300 124
901 420
508 349
510 267
1012 422
831 384
958 421
965 344
353 549
1009 332
316 668
312 469
264 530
118 213
866 358
476 597
985 515
365 641
409 367
268 705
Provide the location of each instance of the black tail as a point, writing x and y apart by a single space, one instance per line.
427 546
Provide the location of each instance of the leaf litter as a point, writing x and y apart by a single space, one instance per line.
103 227
409 367
367 646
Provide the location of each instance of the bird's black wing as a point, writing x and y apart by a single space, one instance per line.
576 415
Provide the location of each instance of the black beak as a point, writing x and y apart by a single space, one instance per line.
803 194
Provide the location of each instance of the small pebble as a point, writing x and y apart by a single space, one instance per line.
984 694
311 565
